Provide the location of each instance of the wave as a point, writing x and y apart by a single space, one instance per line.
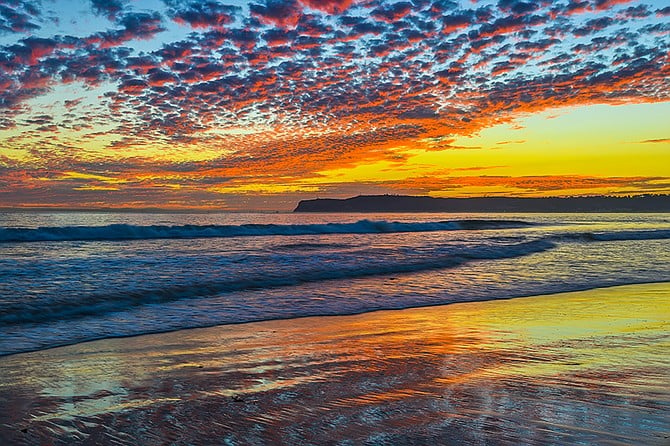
132 232
98 304
615 236
32 337
312 246
657 234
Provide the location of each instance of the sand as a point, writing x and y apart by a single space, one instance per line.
589 367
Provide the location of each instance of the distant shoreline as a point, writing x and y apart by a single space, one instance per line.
404 203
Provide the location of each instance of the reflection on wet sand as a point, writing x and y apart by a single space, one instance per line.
589 367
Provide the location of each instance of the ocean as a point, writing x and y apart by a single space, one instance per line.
68 277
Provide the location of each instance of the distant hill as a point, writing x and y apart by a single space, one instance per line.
402 203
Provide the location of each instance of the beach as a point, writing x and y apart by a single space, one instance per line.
588 367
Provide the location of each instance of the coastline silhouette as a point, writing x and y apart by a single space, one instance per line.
405 203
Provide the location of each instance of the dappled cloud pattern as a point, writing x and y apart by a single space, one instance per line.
254 104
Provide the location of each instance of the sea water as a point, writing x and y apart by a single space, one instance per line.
67 277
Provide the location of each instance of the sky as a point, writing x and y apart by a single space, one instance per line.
238 105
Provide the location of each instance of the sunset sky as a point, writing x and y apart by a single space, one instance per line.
255 105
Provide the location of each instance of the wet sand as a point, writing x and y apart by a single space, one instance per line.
589 367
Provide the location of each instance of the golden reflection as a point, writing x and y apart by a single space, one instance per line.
481 369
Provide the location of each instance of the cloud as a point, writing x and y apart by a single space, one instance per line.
277 12
601 5
239 93
108 8
202 14
18 16
328 6
532 185
656 141
519 141
392 12
135 25
593 26
458 21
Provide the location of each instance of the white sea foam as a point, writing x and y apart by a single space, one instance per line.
87 304
134 232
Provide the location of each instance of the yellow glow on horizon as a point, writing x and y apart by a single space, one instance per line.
93 187
15 155
596 141
378 171
562 152
262 188
87 176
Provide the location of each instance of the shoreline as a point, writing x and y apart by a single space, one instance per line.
585 366
376 310
410 307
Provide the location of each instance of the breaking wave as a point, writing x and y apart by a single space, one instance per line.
132 232
97 304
